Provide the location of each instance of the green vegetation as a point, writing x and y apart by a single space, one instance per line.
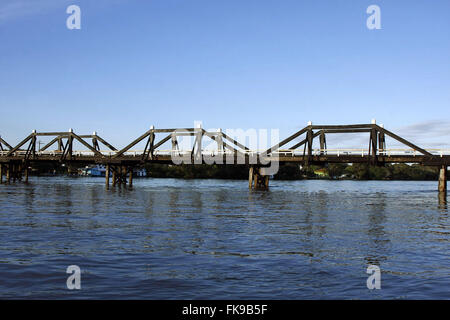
294 172
289 171
360 171
197 171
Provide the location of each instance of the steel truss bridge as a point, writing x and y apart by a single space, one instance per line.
15 161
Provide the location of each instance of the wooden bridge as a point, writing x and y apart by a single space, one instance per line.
15 161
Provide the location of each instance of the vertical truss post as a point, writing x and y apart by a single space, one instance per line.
220 146
381 140
174 142
196 153
149 147
152 144
95 141
308 145
70 146
373 146
323 143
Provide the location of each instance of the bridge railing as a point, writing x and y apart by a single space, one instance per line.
279 153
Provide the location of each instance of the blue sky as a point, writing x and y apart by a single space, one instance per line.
230 63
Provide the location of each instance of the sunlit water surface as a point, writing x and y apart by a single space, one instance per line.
214 239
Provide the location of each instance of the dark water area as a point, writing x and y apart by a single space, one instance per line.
215 239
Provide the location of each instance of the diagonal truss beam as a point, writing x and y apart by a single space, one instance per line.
400 139
287 140
87 145
20 144
132 144
5 143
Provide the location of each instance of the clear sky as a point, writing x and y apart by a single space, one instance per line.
229 63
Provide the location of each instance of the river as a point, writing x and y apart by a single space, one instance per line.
215 239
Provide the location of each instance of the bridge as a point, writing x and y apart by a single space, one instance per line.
306 146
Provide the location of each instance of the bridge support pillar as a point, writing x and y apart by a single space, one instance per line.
120 175
8 173
107 176
443 179
26 173
256 180
114 180
14 172
130 179
1 173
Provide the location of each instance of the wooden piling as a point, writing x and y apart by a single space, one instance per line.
256 180
107 176
123 175
443 179
26 174
442 196
114 177
130 182
8 173
1 173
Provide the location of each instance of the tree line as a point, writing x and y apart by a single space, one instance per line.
291 171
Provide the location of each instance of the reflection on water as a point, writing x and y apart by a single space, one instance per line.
442 200
203 239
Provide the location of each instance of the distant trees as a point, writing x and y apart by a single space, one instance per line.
288 171
200 171
360 171
291 171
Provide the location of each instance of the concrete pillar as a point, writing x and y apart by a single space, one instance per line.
443 179
1 173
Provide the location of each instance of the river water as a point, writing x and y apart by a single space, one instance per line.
215 239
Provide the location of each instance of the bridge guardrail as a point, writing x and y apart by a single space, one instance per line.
280 153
